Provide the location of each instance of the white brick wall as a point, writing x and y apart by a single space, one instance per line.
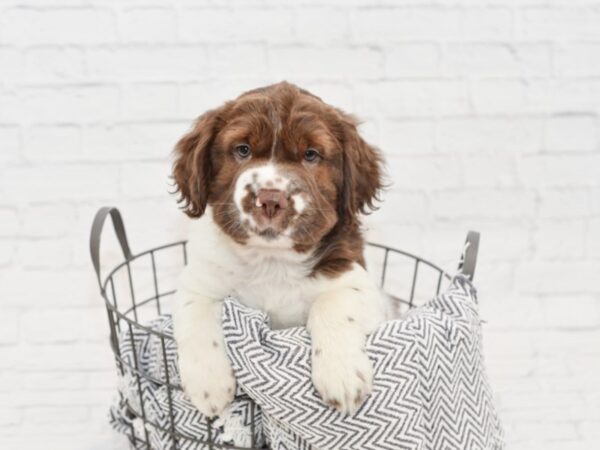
488 112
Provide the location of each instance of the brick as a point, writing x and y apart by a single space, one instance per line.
412 60
131 142
10 380
55 415
9 222
197 98
593 238
230 58
68 287
69 357
149 101
511 313
515 345
9 354
581 95
590 429
413 98
478 135
595 196
96 325
43 254
79 104
410 207
148 25
319 25
9 102
480 60
58 220
369 131
74 440
489 170
563 239
218 25
146 179
52 143
559 23
407 137
54 381
489 23
11 61
505 243
54 64
578 60
507 96
535 60
9 332
84 397
7 252
560 277
9 416
40 326
488 203
580 312
11 143
58 26
72 182
423 173
571 133
577 348
147 64
565 171
307 62
402 24
405 236
562 203
332 92
560 431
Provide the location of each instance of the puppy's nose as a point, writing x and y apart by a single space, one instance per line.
271 201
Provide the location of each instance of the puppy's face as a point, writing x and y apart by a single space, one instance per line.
278 167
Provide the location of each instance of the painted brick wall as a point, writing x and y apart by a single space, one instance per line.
487 111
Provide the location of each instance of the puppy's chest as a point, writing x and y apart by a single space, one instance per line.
281 289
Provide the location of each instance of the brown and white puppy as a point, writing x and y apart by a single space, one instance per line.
281 178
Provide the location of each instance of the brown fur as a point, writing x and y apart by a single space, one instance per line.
280 122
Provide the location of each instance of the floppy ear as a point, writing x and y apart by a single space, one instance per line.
192 167
362 174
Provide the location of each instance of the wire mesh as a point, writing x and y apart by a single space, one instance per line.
148 281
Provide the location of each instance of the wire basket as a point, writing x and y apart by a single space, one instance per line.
138 290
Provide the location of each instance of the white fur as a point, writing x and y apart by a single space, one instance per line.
270 276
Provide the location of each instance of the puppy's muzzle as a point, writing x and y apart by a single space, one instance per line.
272 202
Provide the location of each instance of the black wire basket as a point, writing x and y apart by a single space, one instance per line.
139 289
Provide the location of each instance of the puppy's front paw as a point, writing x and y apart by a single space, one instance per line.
343 378
208 380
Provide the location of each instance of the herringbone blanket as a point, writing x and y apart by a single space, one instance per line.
430 388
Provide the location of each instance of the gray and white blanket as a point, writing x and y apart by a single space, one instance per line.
430 387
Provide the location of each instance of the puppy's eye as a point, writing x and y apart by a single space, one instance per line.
311 155
242 150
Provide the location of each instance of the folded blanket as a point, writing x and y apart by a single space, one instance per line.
430 388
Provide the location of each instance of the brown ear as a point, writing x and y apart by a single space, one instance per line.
362 174
192 167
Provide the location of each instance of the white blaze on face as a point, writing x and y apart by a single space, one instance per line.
267 176
299 203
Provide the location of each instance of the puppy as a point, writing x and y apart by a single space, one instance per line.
281 179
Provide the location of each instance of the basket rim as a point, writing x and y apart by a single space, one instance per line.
132 321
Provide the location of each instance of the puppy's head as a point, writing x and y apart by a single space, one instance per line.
278 166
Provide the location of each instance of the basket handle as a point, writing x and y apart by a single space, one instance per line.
96 232
468 259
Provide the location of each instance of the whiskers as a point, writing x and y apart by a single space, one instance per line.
229 218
